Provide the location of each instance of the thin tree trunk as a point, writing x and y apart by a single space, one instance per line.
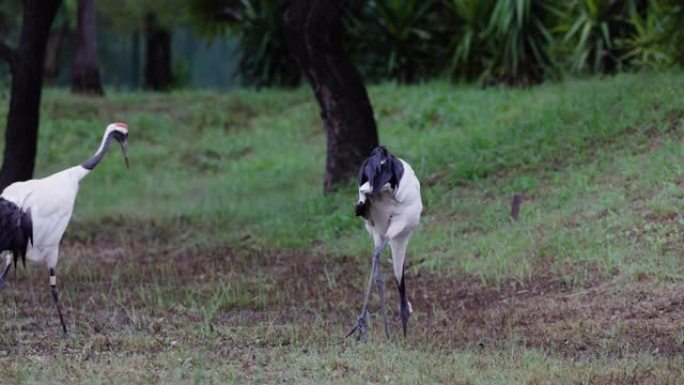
21 134
53 52
85 69
158 55
135 62
315 36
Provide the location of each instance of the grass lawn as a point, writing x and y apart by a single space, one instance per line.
217 258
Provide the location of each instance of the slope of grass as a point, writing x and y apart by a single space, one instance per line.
217 259
598 161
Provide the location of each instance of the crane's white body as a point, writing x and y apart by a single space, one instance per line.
394 215
51 201
44 207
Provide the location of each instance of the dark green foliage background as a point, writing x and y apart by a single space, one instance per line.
515 42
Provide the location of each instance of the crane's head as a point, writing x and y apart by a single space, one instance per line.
380 168
119 131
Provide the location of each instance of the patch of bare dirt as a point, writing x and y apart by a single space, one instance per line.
157 292
600 318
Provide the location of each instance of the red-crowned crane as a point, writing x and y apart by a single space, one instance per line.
390 203
35 213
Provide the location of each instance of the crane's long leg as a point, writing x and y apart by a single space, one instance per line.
398 245
8 264
375 264
361 322
381 289
55 296
404 307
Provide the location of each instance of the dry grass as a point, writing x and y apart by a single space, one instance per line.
263 316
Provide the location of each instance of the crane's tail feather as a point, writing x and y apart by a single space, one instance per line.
16 230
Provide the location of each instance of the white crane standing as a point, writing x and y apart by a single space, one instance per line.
34 214
390 203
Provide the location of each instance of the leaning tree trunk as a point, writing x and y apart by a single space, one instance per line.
315 38
158 55
27 65
85 69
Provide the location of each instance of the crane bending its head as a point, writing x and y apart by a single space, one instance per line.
390 203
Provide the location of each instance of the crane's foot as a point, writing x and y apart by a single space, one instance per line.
360 328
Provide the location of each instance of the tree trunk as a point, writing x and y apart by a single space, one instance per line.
315 32
21 135
158 55
85 69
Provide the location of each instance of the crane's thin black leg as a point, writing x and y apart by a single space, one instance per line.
381 289
404 311
361 323
55 296
4 274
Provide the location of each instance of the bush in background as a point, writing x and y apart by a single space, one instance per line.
395 39
264 56
514 42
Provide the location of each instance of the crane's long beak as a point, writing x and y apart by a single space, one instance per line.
124 149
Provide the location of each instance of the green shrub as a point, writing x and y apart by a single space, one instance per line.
515 42
466 22
394 39
500 40
519 34
672 12
264 56
647 44
593 28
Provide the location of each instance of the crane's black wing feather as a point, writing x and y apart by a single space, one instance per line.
16 230
397 172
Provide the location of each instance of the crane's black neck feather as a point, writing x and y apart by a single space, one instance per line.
16 230
95 159
380 168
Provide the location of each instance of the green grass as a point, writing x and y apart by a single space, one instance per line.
247 167
350 365
217 258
